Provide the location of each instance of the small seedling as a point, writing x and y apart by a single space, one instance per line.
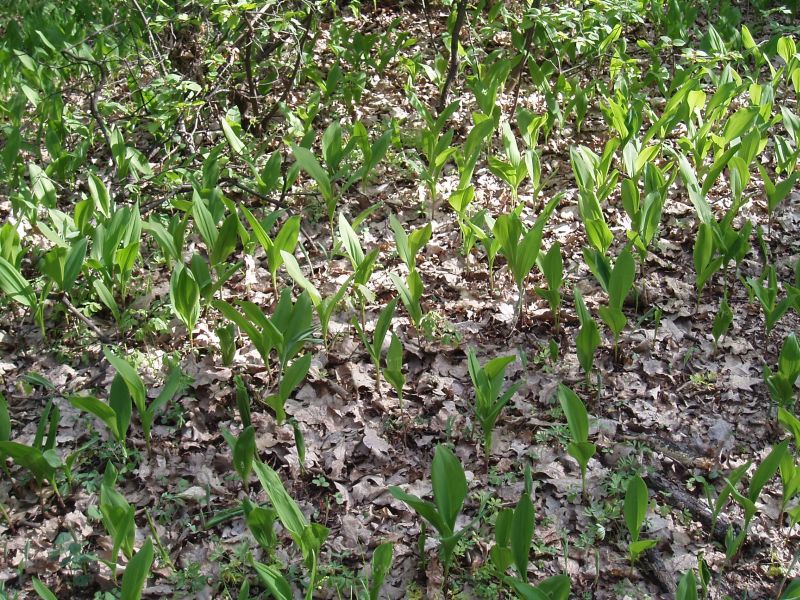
635 510
184 296
285 242
393 372
490 398
620 284
579 447
381 563
781 383
323 306
375 347
308 537
552 266
588 338
449 494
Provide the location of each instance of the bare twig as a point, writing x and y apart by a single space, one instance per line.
248 68
84 319
93 96
461 15
295 70
153 45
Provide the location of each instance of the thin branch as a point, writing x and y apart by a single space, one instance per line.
295 70
84 319
461 16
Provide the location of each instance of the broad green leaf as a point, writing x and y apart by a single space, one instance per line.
766 470
184 294
244 451
119 399
308 162
288 511
276 583
382 327
687 587
131 378
635 506
136 572
526 591
205 222
99 409
622 277
522 534
226 241
381 563
15 285
39 463
42 590
423 508
295 273
785 418
230 135
74 263
575 412
556 587
449 485
351 243
5 420
261 522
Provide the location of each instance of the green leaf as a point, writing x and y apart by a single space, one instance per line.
293 269
351 243
276 583
687 587
622 277
423 508
42 590
449 485
233 140
288 511
99 409
117 517
556 587
526 591
294 375
107 298
785 418
766 470
522 534
639 546
243 453
184 295
226 241
693 187
131 378
5 420
176 382
15 285
74 264
722 320
581 452
119 399
381 328
33 459
575 412
261 522
308 162
588 338
205 222
635 506
136 572
381 563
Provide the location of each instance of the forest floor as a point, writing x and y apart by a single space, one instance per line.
665 401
